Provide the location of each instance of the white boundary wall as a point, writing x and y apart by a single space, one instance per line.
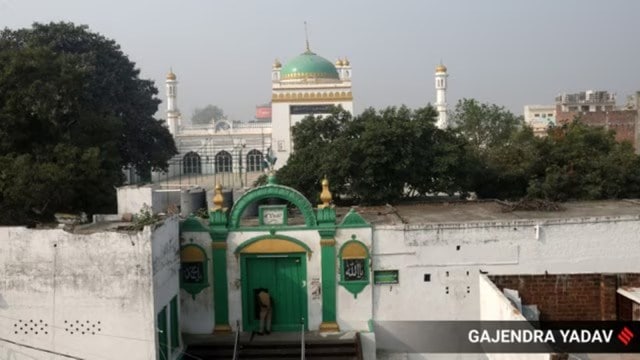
53 282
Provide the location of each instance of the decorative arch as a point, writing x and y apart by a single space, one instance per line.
221 125
273 244
354 266
272 191
194 269
254 160
191 163
223 162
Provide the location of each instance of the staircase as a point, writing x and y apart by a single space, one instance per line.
280 346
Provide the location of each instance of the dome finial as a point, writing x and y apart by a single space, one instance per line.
171 75
325 195
306 36
218 200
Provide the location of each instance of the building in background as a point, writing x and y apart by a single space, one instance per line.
235 153
598 108
306 85
540 118
263 113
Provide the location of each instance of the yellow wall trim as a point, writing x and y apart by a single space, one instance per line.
192 254
312 96
273 246
354 250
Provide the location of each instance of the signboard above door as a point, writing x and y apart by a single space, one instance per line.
273 215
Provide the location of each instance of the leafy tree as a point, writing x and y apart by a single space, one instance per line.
586 163
376 157
485 125
316 151
207 115
73 113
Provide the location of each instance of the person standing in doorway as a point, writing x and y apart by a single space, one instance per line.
264 299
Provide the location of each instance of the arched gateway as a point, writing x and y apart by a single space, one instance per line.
296 259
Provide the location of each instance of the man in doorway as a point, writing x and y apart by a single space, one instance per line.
264 299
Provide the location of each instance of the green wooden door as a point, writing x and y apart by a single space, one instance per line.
284 276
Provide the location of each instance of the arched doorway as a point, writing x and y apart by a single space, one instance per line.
277 263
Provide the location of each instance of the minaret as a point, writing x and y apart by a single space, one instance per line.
441 96
275 71
173 114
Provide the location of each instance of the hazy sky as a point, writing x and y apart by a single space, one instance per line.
506 52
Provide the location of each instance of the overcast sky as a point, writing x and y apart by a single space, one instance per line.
507 52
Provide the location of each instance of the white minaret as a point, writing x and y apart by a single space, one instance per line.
441 96
173 114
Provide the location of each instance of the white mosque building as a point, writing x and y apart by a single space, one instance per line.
306 85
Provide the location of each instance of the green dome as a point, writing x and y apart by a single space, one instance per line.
309 65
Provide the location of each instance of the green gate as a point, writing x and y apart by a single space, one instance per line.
285 276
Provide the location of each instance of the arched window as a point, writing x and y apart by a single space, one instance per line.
254 160
223 162
191 163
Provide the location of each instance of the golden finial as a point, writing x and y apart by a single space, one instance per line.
171 75
345 62
325 195
339 62
218 200
277 64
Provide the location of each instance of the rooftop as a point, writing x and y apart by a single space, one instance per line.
492 211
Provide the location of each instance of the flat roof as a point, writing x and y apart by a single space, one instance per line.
483 211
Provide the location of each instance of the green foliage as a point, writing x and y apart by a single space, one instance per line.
584 162
485 126
144 218
376 157
385 156
73 113
207 115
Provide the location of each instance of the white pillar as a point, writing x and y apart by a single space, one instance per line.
173 114
441 96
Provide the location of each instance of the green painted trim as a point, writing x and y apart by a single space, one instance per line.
245 291
195 288
163 338
220 288
274 236
272 191
353 220
283 208
326 216
328 263
355 286
218 229
264 228
192 224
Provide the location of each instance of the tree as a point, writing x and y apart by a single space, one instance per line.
586 163
316 150
207 115
485 125
376 157
73 113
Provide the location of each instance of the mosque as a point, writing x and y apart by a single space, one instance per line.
308 84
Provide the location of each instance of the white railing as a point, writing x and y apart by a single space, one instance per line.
236 341
302 357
